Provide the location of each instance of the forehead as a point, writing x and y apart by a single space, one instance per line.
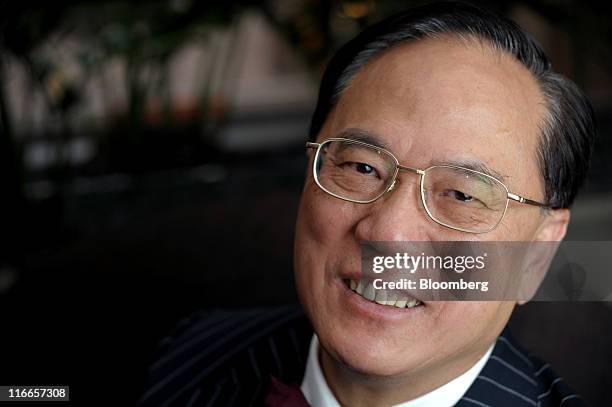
443 99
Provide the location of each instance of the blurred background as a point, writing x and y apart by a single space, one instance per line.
151 156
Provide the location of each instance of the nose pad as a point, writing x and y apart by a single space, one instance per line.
392 186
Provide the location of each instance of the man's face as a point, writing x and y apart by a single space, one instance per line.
432 101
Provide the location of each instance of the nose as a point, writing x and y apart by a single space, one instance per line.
397 216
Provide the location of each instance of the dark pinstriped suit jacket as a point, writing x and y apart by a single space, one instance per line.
226 358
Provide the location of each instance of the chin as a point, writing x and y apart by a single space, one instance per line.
371 355
375 365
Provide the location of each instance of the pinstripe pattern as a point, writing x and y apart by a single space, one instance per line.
223 359
512 378
226 359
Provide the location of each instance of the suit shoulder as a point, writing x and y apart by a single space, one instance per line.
231 347
514 377
554 391
551 389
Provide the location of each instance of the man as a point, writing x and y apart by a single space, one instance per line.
446 90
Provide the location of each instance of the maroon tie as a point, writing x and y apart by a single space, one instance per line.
283 395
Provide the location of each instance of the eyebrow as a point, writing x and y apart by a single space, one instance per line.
365 137
368 137
475 165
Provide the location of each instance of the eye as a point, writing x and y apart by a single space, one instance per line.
460 196
363 168
360 168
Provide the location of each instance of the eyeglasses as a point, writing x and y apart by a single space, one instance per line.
455 197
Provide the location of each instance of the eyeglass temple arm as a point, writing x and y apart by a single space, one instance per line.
523 200
312 145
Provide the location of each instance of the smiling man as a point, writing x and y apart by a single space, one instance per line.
447 98
423 121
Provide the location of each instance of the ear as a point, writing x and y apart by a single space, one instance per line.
554 226
551 231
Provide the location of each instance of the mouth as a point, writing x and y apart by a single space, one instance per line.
388 298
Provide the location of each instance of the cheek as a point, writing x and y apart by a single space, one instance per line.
474 323
520 223
324 238
526 221
323 220
323 241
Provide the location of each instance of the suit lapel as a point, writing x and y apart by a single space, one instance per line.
507 378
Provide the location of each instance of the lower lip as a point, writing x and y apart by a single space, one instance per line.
370 309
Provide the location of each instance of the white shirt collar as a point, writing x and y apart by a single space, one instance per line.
318 393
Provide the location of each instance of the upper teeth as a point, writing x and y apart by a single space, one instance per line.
383 297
